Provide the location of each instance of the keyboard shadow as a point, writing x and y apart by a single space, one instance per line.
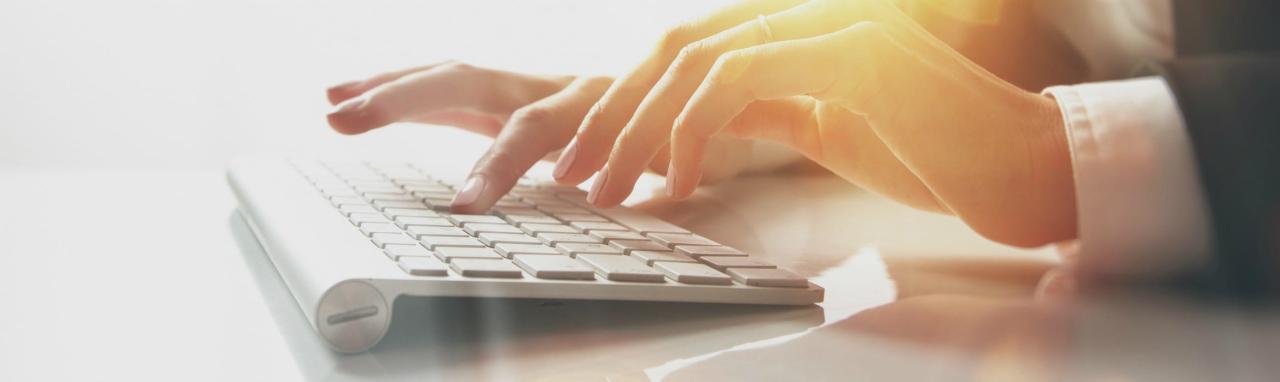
477 338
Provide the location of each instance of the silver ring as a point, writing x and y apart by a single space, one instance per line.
764 28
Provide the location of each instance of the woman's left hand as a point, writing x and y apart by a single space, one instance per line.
865 91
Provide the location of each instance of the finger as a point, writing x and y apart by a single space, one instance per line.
452 87
533 132
590 148
348 90
651 124
815 66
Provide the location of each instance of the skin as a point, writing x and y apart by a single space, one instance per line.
530 118
856 85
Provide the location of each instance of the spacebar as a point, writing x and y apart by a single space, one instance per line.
635 220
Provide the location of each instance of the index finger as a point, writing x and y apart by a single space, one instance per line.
532 132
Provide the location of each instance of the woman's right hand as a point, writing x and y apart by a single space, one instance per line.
530 117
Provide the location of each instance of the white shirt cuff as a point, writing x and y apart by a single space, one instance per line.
1141 208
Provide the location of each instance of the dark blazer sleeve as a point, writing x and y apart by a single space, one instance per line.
1231 106
1226 78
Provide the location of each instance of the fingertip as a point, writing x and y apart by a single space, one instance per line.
480 192
613 192
598 184
688 183
342 92
351 117
565 162
678 182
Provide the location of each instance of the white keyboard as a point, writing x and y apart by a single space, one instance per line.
540 241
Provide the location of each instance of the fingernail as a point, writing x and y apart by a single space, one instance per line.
597 185
470 191
348 105
566 159
346 84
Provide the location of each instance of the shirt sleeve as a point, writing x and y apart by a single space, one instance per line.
1141 207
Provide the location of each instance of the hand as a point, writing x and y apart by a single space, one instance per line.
856 86
530 118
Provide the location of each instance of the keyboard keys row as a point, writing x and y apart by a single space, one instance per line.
535 230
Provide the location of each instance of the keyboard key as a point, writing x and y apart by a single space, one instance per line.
649 257
397 197
554 202
673 239
638 221
537 199
383 205
442 194
478 228
436 242
557 238
349 209
722 262
448 254
622 268
507 210
423 266
398 212
575 249
371 183
554 267
461 219
563 209
384 239
510 249
534 228
333 193
371 228
521 220
596 226
491 238
608 236
396 251
693 273
341 200
361 218
637 245
510 204
768 277
406 221
368 190
438 204
579 217
499 268
705 250
428 187
419 230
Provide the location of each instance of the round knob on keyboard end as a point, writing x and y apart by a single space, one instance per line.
352 316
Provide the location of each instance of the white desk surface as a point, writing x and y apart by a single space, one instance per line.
121 254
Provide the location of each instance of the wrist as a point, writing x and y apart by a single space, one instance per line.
1053 168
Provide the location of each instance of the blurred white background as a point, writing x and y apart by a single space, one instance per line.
187 85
